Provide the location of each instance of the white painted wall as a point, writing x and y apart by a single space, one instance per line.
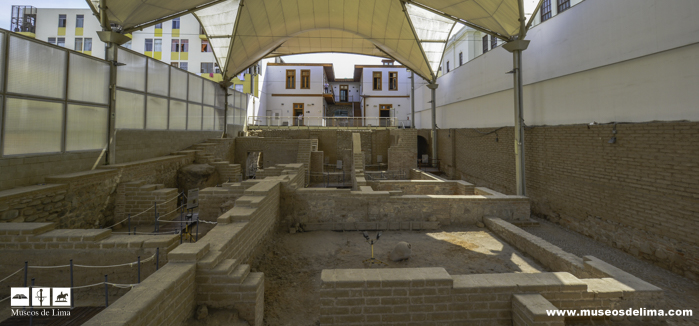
275 83
354 90
625 60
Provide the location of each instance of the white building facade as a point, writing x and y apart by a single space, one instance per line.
377 95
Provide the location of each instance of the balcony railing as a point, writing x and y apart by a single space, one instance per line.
349 122
347 98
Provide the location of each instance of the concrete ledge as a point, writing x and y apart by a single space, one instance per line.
71 177
76 235
531 309
189 252
402 277
25 228
369 226
634 283
142 162
25 191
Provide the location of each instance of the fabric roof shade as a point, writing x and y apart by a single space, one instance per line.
413 32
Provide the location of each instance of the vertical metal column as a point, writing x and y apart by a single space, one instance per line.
111 56
225 110
433 88
519 124
412 100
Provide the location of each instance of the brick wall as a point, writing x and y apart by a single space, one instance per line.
638 195
31 170
402 154
141 200
135 145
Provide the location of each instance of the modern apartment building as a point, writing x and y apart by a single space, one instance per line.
377 95
180 42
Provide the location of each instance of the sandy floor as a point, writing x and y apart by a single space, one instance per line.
293 263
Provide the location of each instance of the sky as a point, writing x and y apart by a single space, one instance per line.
343 63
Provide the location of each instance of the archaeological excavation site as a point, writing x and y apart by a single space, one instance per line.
278 235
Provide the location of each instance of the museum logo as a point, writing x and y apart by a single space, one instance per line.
40 298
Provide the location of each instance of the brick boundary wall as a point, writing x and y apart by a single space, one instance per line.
638 195
430 296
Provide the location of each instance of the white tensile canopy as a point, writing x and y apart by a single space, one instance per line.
241 32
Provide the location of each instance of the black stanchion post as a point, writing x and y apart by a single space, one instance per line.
197 228
72 302
106 292
139 269
26 267
129 224
157 258
31 306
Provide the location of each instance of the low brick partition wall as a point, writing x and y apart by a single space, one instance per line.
165 298
530 310
425 187
41 244
430 296
326 205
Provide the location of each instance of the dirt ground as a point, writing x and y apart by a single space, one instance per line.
293 263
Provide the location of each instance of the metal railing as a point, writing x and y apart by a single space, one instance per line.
287 121
347 98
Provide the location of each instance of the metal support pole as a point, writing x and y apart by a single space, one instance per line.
519 124
130 224
72 302
225 112
139 269
516 47
433 88
26 267
155 209
197 239
412 100
106 292
111 56
157 258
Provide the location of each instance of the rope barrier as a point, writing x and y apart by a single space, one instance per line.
13 274
4 299
148 209
88 266
122 286
208 222
166 214
148 233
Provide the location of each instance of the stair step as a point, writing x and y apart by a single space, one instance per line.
225 267
240 273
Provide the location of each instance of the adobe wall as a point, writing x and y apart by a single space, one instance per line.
135 145
638 195
328 205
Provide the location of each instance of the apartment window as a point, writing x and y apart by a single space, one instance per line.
61 41
78 44
158 45
205 46
176 23
563 5
290 79
305 79
149 45
175 46
87 44
184 66
175 64
61 20
461 58
393 81
52 40
485 44
545 10
184 45
493 42
448 70
159 26
79 21
377 81
207 67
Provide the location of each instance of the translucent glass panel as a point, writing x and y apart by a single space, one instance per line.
178 115
219 121
210 92
86 127
2 59
194 117
195 88
208 118
32 127
178 84
36 69
158 77
132 75
129 110
231 115
88 80
156 113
